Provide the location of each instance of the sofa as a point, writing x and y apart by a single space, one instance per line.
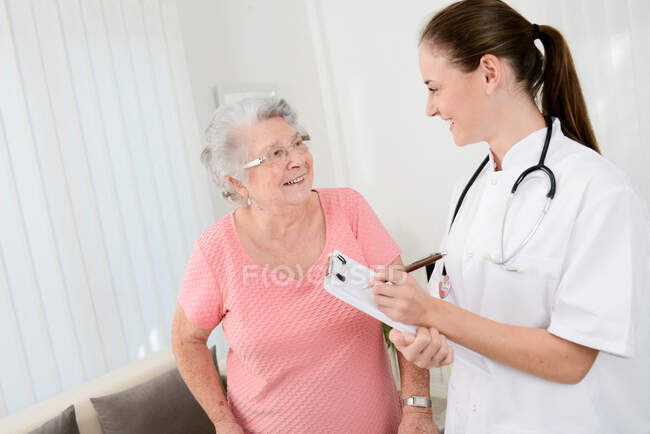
122 379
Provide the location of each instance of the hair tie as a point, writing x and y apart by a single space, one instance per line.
536 33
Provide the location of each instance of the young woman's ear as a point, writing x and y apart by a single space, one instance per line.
491 70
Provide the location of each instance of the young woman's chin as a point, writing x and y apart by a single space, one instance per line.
462 140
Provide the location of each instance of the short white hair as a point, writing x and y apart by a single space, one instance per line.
223 154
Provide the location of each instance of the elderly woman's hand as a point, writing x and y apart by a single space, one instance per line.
428 349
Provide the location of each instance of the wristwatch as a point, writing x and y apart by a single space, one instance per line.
417 401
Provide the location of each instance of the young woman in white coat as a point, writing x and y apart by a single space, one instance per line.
547 284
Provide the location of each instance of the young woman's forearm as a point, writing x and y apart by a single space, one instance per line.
535 351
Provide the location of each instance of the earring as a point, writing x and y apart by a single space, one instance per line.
248 198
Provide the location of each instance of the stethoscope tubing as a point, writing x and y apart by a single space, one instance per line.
549 196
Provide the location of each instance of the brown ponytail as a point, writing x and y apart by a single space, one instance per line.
468 29
561 92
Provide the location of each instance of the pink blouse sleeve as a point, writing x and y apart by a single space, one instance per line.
200 297
377 245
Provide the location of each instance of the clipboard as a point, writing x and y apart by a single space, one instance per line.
347 280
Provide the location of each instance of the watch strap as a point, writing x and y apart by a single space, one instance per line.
417 401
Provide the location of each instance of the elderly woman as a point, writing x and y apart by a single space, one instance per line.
300 360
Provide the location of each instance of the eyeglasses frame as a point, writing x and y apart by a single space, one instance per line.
258 161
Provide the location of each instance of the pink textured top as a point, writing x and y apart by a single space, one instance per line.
300 360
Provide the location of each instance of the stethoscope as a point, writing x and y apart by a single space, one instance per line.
445 285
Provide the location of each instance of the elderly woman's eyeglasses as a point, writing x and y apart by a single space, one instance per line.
278 153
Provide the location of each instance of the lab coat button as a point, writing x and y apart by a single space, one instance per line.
494 181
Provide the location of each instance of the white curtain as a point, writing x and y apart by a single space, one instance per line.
101 189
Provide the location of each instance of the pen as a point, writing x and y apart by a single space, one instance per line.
427 260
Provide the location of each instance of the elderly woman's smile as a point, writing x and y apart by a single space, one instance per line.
295 181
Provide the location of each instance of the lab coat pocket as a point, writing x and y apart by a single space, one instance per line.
521 292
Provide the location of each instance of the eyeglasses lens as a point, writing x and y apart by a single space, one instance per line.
279 153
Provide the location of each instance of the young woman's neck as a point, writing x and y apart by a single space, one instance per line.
516 120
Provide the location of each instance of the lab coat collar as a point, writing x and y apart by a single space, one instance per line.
527 151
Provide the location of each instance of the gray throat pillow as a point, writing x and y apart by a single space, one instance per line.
161 405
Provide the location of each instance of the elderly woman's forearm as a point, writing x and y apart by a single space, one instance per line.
197 369
414 380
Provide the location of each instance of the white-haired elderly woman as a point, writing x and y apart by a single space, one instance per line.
300 360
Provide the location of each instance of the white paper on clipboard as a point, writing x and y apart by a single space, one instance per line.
353 291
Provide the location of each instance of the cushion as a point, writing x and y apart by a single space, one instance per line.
161 405
65 423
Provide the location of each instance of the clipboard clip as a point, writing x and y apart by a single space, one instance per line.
427 260
330 266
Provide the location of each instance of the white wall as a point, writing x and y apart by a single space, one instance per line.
404 163
256 42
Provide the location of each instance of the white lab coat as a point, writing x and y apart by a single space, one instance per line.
583 277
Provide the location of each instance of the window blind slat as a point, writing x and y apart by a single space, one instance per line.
15 380
171 120
141 152
68 117
19 259
35 208
68 254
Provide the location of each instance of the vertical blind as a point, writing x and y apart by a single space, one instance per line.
101 189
